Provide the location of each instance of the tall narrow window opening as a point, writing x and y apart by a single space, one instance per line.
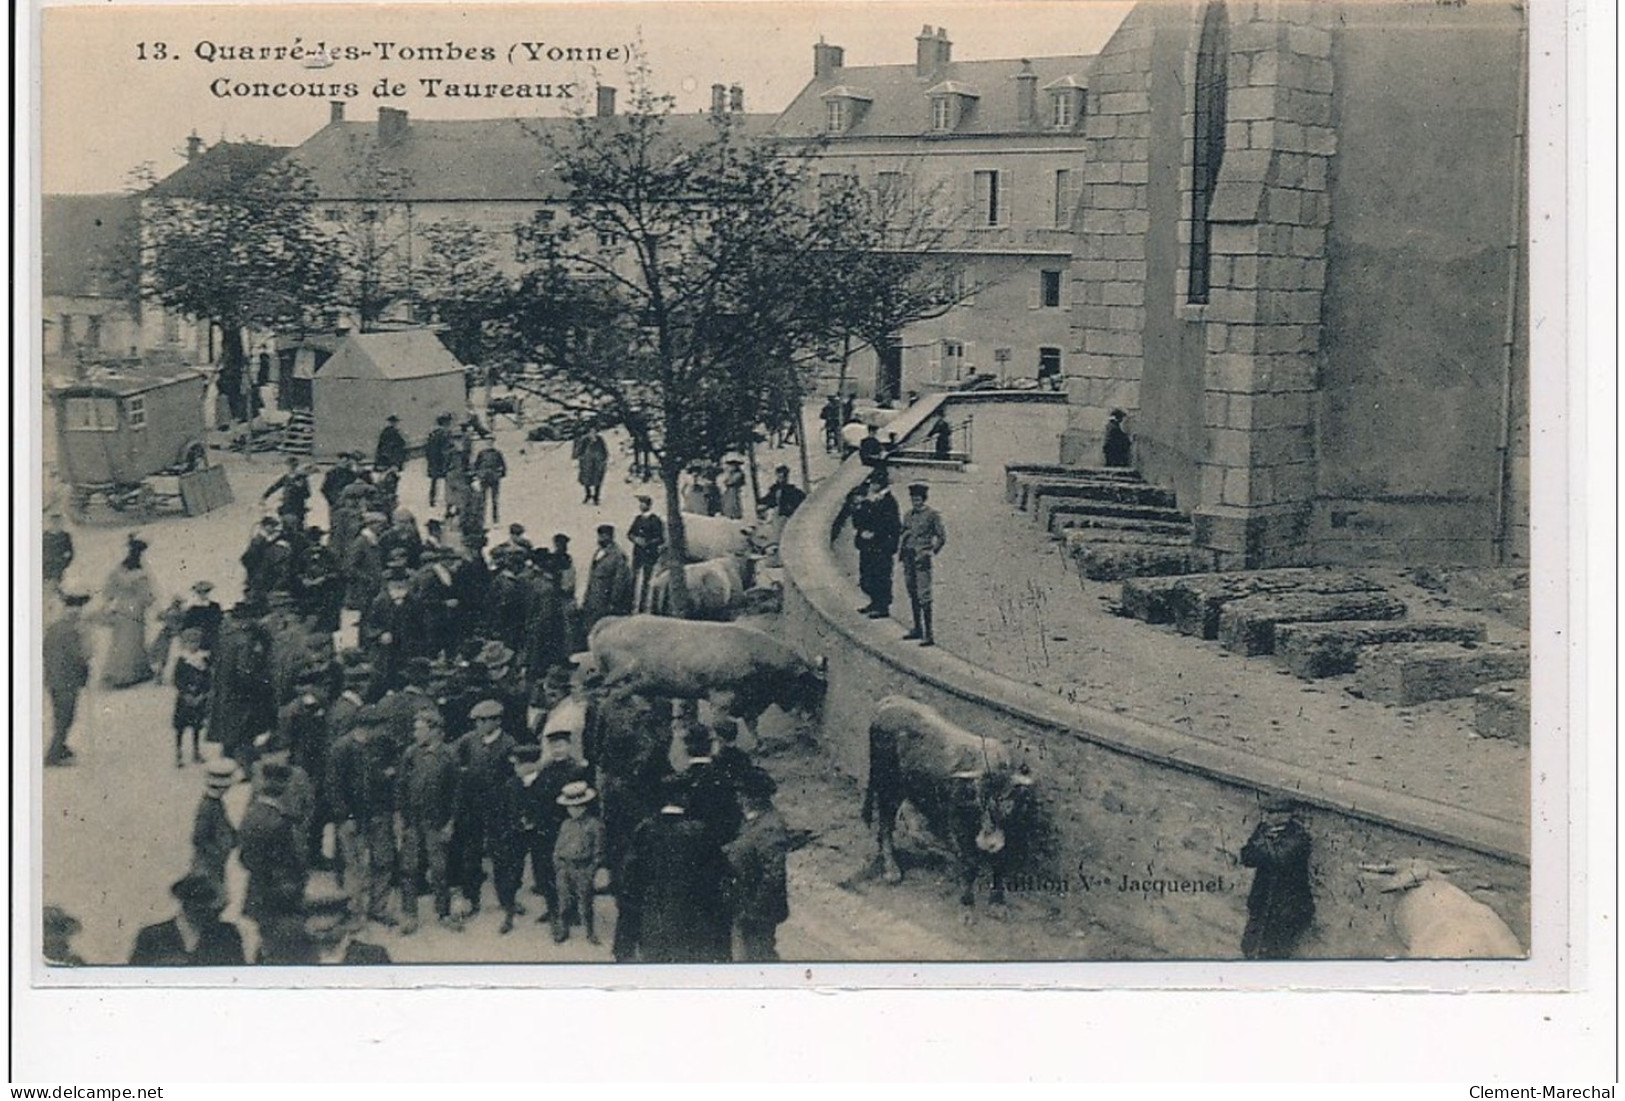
1207 144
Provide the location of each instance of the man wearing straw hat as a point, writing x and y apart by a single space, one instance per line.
578 861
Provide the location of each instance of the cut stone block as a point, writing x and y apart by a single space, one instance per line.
1125 493
1019 478
1404 673
1313 650
1501 710
1061 523
1114 562
1247 626
1197 603
1147 599
1048 508
1084 537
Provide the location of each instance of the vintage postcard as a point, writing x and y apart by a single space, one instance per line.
574 488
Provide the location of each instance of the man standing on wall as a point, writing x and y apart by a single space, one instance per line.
923 538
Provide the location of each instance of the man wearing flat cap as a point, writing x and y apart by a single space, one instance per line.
196 937
757 885
609 581
484 757
648 536
922 540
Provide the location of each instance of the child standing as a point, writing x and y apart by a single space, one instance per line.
192 680
578 861
213 835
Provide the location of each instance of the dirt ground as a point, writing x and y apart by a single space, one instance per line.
1008 599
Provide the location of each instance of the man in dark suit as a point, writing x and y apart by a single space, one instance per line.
439 451
67 670
648 536
195 937
609 581
58 550
391 450
757 885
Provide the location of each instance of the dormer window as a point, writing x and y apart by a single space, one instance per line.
1066 103
950 100
843 106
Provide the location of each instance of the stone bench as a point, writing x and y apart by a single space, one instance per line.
1501 710
1074 538
1403 673
1314 650
1247 626
1193 603
1063 523
1123 493
1020 477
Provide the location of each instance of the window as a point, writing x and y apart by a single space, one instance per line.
1050 288
137 410
985 210
608 238
172 328
333 214
93 415
93 331
1066 196
837 115
1049 367
942 112
1207 140
1063 110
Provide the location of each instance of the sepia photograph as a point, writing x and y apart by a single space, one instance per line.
497 468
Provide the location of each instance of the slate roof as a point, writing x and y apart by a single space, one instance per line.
80 236
440 160
901 105
224 166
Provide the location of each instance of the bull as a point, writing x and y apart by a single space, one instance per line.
715 587
964 785
742 671
1436 920
708 537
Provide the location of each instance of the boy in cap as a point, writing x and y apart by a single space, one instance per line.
213 835
578 861
192 684
514 830
923 537
196 936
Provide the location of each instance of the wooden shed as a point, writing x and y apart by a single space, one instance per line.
409 374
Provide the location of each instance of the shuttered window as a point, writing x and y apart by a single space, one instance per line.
985 199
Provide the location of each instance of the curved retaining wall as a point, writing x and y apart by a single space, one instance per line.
1144 823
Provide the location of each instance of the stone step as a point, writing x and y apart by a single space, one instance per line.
1501 710
1019 477
1247 626
1192 604
1125 493
1083 537
1063 523
1116 561
1068 506
1314 650
1403 673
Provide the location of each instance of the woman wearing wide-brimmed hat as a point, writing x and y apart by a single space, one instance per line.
125 600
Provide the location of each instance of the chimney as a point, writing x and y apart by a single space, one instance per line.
194 148
719 98
335 110
391 125
736 99
606 101
826 59
945 49
1026 95
925 52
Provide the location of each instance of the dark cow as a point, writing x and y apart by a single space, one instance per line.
740 670
964 785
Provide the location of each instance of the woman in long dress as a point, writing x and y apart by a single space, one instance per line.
125 601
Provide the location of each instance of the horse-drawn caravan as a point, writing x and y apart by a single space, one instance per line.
138 442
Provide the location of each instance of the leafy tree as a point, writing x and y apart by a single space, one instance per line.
374 236
670 299
460 284
245 256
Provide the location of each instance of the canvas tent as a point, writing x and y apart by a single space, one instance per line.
371 375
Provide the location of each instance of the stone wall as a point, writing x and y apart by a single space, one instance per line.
1126 801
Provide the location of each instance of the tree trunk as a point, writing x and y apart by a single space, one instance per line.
755 483
676 542
846 359
801 445
233 373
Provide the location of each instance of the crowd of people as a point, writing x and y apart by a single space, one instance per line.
386 692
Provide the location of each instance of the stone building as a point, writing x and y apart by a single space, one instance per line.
1300 268
997 148
89 265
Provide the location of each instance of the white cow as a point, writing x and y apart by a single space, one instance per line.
714 536
715 586
1437 920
